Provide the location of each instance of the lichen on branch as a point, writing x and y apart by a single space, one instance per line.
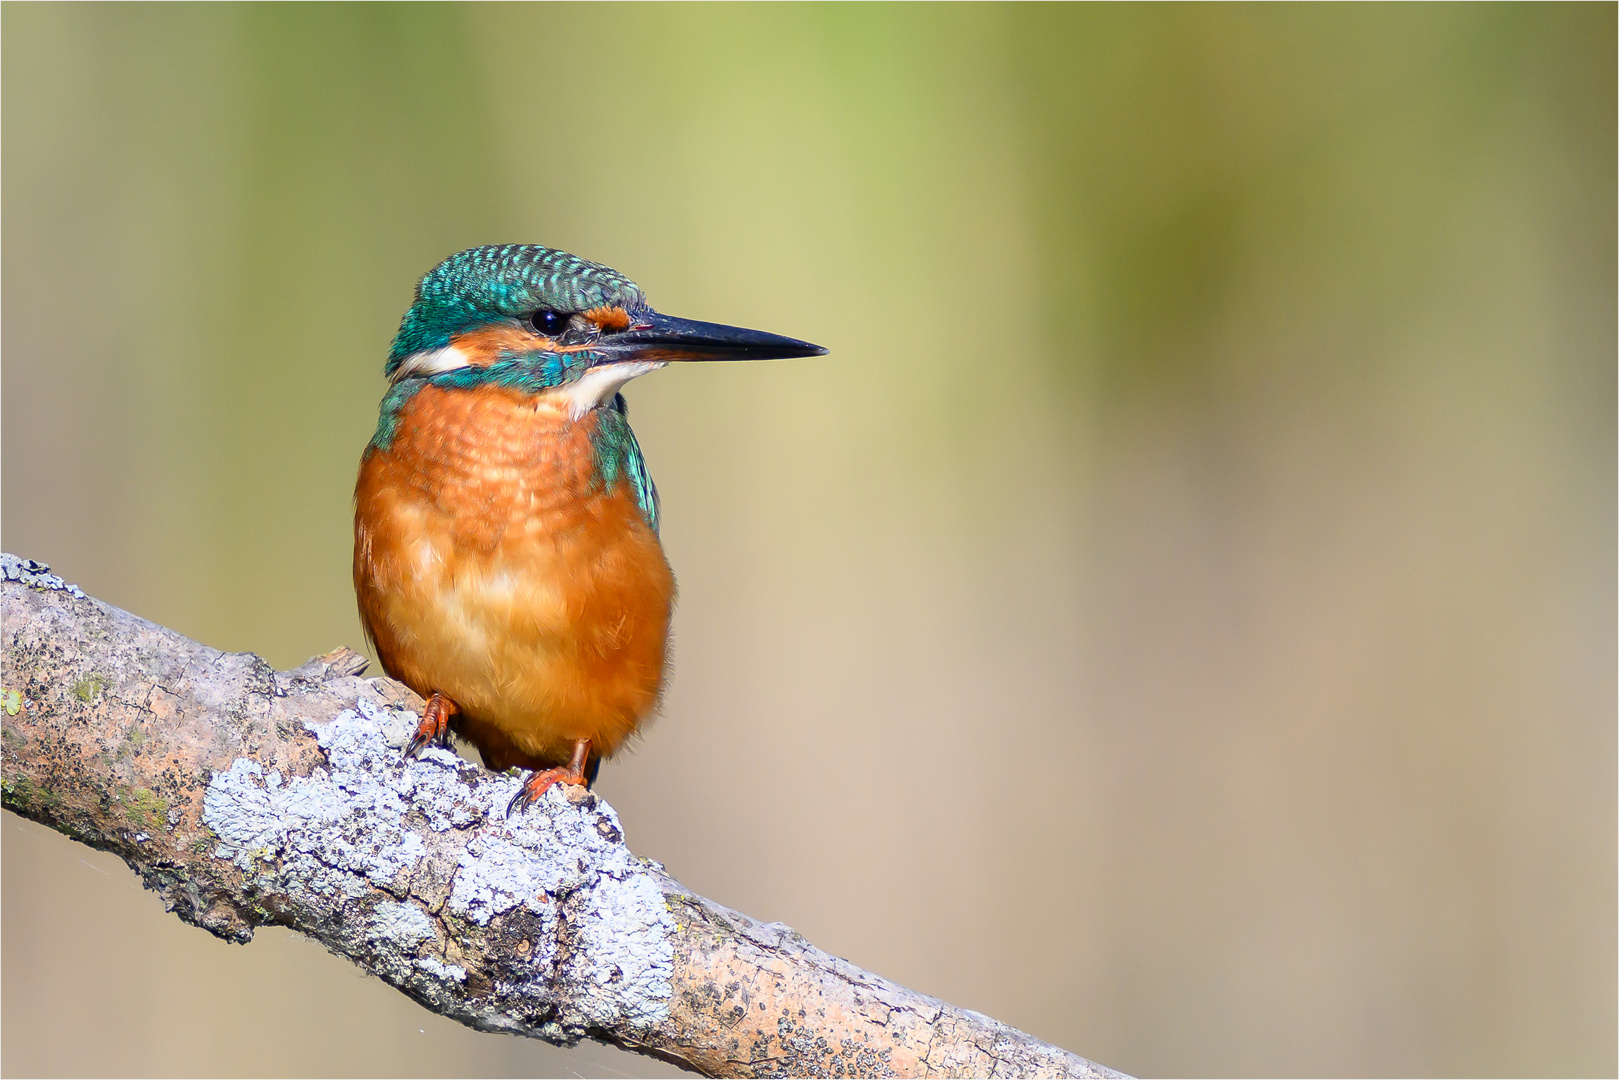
247 796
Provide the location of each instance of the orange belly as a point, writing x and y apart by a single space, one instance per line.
494 566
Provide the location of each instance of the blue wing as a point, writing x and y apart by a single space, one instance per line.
631 462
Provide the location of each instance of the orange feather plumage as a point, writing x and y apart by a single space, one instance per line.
493 565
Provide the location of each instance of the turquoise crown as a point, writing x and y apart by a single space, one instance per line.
484 285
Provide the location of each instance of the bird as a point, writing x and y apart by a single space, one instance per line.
507 562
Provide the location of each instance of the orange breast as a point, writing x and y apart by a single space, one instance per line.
492 565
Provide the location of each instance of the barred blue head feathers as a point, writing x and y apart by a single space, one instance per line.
504 281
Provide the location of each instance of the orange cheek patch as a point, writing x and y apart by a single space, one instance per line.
609 318
483 347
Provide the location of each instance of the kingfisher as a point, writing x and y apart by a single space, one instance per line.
506 553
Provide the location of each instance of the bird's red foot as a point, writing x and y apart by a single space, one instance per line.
539 783
435 724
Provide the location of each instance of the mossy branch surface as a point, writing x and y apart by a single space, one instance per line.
247 796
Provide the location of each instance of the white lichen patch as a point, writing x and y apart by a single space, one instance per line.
330 837
628 983
366 820
36 575
439 969
407 923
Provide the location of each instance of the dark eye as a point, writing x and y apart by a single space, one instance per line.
549 323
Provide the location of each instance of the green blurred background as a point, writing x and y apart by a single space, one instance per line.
1177 619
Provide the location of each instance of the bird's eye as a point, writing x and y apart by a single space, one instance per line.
549 323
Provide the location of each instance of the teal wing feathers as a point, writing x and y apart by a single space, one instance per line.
618 457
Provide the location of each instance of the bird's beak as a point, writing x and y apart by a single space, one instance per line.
661 338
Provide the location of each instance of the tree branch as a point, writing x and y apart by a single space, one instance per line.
247 796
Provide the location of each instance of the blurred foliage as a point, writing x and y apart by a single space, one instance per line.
1199 543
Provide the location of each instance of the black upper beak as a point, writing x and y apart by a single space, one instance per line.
663 337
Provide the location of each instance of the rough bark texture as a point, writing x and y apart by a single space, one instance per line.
247 796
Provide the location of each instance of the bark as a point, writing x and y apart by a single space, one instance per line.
247 796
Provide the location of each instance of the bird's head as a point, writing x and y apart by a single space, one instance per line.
537 319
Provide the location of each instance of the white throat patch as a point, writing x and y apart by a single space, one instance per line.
600 383
595 386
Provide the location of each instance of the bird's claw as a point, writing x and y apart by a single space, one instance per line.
435 725
538 784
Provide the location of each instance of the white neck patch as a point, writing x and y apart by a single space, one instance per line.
600 383
431 362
